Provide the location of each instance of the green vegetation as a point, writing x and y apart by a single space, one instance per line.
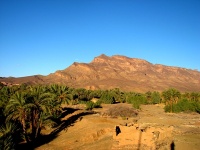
90 105
171 96
107 97
25 110
177 102
184 105
136 99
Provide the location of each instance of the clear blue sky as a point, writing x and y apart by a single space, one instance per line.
42 36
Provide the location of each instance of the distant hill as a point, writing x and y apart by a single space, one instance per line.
30 80
129 74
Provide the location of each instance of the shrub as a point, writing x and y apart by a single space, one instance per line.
107 98
90 105
137 100
183 106
197 107
156 98
121 111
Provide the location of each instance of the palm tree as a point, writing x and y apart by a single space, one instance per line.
171 96
5 94
17 110
156 99
149 97
4 98
186 95
61 93
40 100
7 138
194 96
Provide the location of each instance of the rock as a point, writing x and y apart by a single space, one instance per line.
123 124
106 72
129 124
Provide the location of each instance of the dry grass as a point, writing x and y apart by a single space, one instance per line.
120 111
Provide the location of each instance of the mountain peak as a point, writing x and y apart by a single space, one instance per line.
125 73
101 58
132 74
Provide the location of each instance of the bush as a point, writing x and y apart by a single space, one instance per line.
120 111
197 107
156 99
107 98
183 106
137 100
90 105
167 108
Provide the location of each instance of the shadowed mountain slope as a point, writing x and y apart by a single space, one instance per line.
122 72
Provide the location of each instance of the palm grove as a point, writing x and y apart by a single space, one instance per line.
25 110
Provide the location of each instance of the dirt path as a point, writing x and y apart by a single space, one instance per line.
92 131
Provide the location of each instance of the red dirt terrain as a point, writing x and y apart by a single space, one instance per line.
152 129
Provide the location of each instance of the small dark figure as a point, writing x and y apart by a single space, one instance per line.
117 129
172 146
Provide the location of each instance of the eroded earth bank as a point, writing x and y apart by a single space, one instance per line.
146 129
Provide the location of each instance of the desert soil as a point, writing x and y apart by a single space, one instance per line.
97 132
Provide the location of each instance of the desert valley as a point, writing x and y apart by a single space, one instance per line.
112 103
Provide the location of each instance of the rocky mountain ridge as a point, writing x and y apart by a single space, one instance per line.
130 74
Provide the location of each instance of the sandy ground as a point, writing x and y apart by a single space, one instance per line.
94 132
186 132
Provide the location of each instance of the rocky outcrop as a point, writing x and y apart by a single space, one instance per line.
130 74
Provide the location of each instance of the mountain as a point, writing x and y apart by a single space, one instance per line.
130 74
30 80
